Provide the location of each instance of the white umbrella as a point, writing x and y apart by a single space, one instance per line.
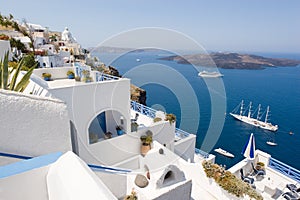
249 148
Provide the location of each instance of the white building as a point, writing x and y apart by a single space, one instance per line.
4 48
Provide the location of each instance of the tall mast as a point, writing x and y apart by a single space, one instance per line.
258 112
267 114
249 112
242 104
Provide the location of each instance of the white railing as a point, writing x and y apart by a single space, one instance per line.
285 169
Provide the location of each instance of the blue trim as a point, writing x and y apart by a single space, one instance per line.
252 147
27 165
14 156
103 168
30 163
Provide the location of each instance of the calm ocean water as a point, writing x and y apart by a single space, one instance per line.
276 87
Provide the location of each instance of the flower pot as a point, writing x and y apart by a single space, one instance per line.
71 76
145 148
120 132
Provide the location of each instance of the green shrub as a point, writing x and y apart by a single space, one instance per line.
171 118
70 72
46 75
157 119
228 181
29 61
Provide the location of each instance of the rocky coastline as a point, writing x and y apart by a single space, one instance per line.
136 94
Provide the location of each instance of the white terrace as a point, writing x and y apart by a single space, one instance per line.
273 184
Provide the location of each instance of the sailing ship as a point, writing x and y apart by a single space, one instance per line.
249 119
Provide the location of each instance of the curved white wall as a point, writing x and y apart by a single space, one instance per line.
32 125
85 101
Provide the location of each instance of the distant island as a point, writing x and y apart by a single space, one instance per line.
232 61
109 49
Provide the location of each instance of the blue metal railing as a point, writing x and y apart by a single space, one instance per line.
201 153
181 134
104 77
140 108
285 169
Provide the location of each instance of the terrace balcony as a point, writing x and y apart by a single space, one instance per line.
273 184
184 142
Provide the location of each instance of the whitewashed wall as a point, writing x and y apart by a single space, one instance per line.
56 73
116 150
185 148
26 185
32 125
85 102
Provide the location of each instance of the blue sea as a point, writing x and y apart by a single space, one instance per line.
169 89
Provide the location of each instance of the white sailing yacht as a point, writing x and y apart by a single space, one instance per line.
254 121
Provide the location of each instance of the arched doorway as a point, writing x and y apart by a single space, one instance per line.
106 125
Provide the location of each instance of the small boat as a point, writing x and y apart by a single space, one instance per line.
223 152
271 143
206 74
138 60
249 119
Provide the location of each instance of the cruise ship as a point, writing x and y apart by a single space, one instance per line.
206 74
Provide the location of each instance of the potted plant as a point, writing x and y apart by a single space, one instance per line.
46 76
70 74
86 76
119 130
146 142
131 196
77 78
134 126
171 118
107 135
260 166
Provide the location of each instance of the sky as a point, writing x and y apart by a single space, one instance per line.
218 25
